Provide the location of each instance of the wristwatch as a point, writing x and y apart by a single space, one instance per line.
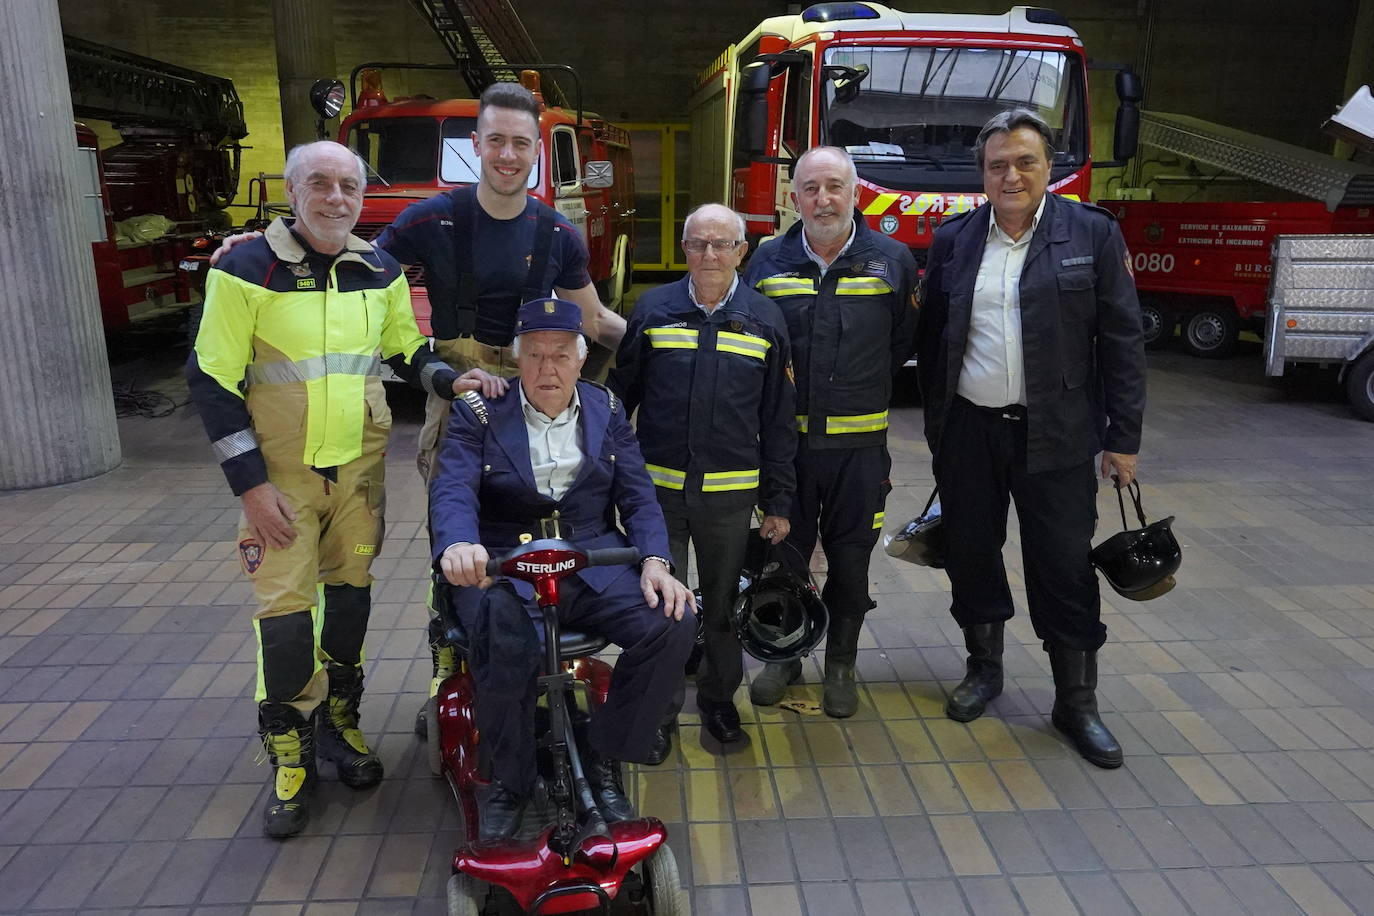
664 560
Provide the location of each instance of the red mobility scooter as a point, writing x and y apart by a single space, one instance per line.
572 861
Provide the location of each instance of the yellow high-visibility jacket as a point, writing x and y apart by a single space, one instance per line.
286 369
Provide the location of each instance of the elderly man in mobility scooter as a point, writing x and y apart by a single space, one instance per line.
551 446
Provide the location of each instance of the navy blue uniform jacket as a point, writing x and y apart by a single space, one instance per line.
713 395
1080 332
484 493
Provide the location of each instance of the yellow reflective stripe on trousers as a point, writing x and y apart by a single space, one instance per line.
878 519
720 481
743 344
773 287
668 478
862 286
801 423
285 371
860 423
672 338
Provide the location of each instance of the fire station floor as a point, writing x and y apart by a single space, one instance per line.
1244 700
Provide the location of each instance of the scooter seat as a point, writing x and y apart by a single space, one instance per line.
571 643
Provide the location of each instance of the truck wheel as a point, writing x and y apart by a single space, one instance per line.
1158 324
1211 333
1359 385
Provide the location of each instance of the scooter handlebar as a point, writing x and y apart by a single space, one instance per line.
605 556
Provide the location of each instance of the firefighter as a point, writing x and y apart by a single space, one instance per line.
484 250
706 360
286 375
846 293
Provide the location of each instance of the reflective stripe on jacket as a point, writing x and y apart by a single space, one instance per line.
714 396
851 329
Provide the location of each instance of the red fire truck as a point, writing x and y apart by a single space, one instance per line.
419 147
905 93
1204 266
178 158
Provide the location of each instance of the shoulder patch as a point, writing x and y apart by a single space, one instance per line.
477 406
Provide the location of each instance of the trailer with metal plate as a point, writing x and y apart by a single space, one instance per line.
1321 310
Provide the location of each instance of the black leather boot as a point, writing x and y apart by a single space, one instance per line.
604 775
289 740
501 813
337 738
1075 706
983 681
839 692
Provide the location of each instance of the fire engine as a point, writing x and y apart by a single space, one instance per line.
418 147
906 94
178 158
1205 266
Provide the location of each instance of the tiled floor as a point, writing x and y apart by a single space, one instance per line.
1244 700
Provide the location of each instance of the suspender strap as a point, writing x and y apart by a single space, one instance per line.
539 257
464 231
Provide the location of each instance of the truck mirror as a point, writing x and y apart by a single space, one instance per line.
1130 90
754 84
598 174
327 97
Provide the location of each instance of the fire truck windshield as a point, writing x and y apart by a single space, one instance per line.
910 115
421 151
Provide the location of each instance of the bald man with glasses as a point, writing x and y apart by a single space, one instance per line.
706 362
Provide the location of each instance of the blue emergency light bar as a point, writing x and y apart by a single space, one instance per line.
834 12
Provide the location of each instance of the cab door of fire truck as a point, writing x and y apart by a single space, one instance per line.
588 172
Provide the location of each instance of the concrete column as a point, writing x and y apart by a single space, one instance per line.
57 419
305 53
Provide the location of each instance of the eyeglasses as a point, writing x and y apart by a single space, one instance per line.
719 246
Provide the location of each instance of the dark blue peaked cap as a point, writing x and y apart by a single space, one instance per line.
549 315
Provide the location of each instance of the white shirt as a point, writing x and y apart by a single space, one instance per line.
692 291
555 446
820 261
993 372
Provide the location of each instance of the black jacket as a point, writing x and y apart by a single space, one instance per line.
1080 332
716 406
851 330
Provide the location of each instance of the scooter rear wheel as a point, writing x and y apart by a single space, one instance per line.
466 895
663 888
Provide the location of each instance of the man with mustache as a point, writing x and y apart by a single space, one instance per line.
846 294
286 374
1031 362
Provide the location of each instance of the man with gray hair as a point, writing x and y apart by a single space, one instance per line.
1031 362
706 361
286 374
846 293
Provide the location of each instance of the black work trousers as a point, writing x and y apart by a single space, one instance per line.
840 497
718 534
981 465
505 656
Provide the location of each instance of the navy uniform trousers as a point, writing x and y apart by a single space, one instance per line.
505 655
981 466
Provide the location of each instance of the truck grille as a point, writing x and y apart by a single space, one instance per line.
415 274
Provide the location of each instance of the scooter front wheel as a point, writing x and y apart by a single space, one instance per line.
466 895
663 889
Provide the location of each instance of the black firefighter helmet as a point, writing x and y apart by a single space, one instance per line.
778 615
1139 563
921 540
